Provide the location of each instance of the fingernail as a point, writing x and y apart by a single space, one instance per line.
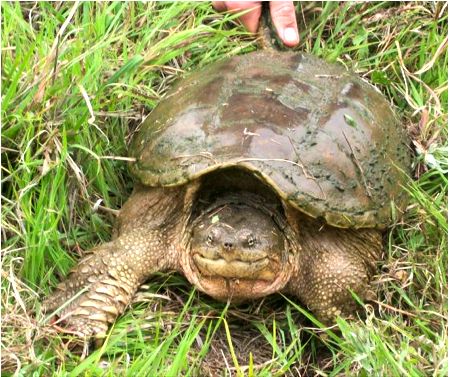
291 35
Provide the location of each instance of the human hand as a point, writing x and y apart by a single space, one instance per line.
282 14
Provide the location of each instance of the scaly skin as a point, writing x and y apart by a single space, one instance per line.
321 264
333 263
111 273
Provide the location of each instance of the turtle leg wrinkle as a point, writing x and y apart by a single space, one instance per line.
334 264
100 287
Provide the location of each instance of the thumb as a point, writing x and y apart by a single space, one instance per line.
284 19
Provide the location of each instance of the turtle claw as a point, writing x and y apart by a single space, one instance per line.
83 328
83 336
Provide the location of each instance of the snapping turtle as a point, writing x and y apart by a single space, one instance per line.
268 172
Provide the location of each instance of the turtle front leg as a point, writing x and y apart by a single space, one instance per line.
100 287
335 263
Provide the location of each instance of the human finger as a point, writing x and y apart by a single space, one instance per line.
250 20
283 16
219 6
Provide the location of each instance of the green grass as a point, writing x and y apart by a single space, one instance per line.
77 79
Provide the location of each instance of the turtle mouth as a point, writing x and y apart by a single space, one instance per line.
253 269
237 280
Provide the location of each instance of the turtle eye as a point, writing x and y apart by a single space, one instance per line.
210 240
213 236
251 240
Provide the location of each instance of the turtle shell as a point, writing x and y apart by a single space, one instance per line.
325 140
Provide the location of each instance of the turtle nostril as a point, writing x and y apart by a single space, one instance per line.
228 245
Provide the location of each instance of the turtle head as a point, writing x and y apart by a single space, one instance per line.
239 250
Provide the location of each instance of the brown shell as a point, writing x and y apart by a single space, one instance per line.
324 139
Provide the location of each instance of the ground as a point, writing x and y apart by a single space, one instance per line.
77 80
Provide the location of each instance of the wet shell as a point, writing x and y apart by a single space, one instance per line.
324 139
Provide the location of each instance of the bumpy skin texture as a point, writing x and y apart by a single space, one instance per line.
148 239
334 264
